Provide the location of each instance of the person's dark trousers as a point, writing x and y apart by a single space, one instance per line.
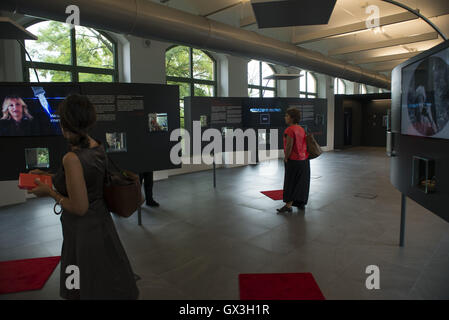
297 182
147 178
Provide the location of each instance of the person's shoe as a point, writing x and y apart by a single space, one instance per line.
284 209
152 203
299 205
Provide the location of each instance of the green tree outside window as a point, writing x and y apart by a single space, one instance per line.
62 55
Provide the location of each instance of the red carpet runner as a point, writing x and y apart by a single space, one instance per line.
279 286
275 195
25 275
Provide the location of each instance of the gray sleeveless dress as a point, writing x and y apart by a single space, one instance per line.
91 241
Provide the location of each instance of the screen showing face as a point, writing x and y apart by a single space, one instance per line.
31 110
425 97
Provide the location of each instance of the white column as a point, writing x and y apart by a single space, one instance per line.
10 61
330 112
144 61
292 85
233 79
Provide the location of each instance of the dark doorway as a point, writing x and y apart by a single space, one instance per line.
348 127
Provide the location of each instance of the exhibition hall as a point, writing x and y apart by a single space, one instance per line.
226 150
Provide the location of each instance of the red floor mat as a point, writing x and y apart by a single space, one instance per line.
25 275
275 194
279 286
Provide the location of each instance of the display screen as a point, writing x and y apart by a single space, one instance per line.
116 142
37 158
157 122
265 118
30 110
425 97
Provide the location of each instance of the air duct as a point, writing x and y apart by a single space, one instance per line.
144 18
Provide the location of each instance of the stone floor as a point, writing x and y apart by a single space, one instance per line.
197 243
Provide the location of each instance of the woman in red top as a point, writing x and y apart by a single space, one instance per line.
297 165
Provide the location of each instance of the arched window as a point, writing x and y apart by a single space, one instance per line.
339 86
193 70
307 85
258 86
362 89
62 54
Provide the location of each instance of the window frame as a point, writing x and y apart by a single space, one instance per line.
73 68
261 87
314 95
191 80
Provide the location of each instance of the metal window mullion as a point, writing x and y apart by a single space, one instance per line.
192 85
49 66
95 70
25 68
260 80
75 76
307 84
68 68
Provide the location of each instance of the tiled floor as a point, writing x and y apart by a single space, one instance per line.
200 239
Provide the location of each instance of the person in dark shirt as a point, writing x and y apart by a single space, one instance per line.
15 120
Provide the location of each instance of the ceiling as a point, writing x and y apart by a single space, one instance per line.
345 36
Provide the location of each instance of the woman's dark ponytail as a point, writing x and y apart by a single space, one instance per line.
77 115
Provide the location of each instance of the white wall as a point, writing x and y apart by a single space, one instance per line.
329 89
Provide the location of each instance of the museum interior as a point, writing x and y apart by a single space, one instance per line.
202 100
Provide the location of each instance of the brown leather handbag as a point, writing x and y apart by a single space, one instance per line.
122 191
313 148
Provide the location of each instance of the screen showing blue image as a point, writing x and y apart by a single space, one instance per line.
265 118
31 110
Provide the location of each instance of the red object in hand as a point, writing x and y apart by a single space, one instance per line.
26 180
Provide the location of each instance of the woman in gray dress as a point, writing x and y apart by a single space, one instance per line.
91 242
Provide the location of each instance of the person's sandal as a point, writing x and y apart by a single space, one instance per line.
284 209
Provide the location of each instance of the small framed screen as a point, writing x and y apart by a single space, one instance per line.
37 158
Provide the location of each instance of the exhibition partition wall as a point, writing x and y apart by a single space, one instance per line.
134 122
261 114
420 129
361 120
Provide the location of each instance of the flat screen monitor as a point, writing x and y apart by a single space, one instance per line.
37 158
425 97
157 122
30 110
265 118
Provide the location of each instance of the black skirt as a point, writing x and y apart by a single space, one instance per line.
297 181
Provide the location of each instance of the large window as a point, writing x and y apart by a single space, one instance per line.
339 86
62 54
258 86
193 70
307 85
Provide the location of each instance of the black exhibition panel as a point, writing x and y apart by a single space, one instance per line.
420 125
261 114
269 113
361 120
217 113
124 110
12 148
